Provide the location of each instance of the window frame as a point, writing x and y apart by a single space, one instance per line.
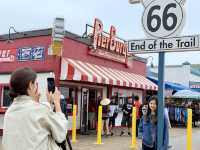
2 108
1 92
75 98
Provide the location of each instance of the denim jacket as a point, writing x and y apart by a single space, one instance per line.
148 133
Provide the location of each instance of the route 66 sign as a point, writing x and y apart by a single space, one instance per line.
163 18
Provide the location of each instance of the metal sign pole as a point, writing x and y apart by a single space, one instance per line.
162 21
161 84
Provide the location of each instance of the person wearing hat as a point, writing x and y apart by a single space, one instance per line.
105 115
127 113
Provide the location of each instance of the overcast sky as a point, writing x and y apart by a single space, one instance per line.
37 14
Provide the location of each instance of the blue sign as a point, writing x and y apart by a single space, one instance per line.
30 53
37 53
195 86
23 54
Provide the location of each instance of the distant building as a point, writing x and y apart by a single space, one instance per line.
186 74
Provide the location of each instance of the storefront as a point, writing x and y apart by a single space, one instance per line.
30 50
89 69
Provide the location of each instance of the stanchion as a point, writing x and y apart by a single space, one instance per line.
189 130
99 140
74 124
133 141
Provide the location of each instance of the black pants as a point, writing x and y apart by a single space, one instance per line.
137 125
147 148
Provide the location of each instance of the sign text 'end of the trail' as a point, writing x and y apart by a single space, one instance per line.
176 44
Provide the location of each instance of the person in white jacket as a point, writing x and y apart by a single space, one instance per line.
29 125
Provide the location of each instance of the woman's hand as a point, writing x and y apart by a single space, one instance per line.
54 98
49 96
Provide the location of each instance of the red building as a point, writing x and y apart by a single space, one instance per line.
83 73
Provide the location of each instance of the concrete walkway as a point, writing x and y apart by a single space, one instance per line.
177 140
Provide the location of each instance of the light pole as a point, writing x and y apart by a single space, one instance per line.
9 33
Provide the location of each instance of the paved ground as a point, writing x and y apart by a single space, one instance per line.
177 140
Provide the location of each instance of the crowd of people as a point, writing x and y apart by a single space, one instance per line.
146 120
43 127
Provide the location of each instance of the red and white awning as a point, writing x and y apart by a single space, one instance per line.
82 71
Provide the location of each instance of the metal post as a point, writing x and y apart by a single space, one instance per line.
74 124
189 130
161 67
99 139
133 141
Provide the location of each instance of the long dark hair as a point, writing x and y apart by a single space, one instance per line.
153 98
19 81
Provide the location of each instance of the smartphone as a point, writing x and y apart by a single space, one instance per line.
51 84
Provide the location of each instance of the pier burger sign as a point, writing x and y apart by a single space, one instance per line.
107 45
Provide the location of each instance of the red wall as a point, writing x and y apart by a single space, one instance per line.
48 64
79 51
72 49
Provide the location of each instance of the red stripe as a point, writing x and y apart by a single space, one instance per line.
84 77
124 83
111 81
70 73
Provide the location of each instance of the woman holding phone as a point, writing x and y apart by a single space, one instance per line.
29 124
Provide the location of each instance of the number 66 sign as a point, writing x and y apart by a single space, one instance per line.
163 18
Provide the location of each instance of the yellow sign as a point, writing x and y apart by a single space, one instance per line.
57 47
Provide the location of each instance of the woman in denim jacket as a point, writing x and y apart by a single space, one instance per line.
148 127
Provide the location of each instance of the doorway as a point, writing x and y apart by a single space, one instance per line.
89 110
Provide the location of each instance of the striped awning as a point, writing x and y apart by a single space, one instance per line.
82 71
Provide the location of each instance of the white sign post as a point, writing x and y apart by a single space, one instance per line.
162 21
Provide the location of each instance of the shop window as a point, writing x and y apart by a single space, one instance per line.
5 99
69 94
120 99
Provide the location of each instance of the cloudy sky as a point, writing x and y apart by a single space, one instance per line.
37 14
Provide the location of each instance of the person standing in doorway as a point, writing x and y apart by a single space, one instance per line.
137 105
127 113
